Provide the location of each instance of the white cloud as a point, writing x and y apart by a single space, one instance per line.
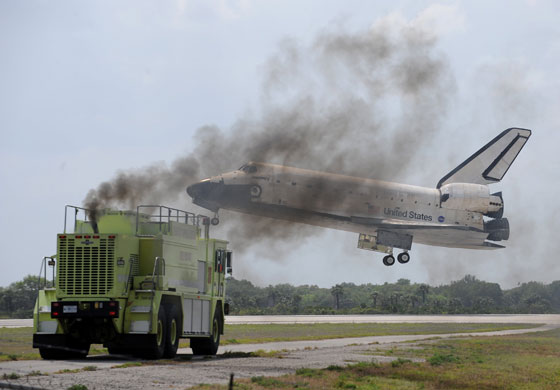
442 19
434 21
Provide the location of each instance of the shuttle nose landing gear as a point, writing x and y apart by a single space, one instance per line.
389 260
403 258
214 221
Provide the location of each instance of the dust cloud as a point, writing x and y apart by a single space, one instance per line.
361 103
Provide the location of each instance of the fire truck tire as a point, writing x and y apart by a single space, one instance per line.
72 350
173 332
155 346
209 345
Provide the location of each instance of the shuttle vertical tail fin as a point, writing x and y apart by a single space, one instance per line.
490 163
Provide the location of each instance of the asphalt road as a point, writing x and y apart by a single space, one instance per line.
552 319
312 319
104 372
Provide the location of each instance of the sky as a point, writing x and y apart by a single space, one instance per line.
89 89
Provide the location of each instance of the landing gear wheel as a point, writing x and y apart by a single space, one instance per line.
214 221
155 345
389 260
208 346
403 258
173 332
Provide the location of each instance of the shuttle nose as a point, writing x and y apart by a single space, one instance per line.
197 190
204 189
206 194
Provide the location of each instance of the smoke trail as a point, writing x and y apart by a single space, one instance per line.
358 103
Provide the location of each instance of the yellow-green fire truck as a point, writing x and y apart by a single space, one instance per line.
134 281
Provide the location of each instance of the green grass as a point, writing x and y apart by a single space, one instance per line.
250 334
268 382
77 387
12 375
527 361
438 359
128 364
16 343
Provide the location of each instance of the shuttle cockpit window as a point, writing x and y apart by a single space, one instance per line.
248 168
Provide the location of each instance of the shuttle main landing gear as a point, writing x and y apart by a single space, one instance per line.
214 221
402 258
389 260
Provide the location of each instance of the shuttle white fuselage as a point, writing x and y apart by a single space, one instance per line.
458 214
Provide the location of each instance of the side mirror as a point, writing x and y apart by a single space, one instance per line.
229 266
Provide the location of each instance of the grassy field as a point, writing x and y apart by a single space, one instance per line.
244 334
15 343
529 361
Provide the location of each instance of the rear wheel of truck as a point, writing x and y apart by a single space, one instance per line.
71 350
155 346
208 346
173 332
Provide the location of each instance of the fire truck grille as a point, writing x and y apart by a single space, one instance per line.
85 269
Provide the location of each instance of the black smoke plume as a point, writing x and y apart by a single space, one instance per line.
357 103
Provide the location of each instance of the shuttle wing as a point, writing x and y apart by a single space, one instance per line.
492 161
451 235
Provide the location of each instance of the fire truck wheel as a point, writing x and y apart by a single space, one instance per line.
51 353
173 332
209 345
155 347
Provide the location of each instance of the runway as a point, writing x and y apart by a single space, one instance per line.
548 319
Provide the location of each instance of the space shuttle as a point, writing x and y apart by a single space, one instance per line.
460 212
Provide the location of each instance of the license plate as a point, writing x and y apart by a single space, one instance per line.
70 309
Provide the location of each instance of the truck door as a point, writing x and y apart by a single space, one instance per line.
219 272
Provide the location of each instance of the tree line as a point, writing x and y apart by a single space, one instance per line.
468 295
18 299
